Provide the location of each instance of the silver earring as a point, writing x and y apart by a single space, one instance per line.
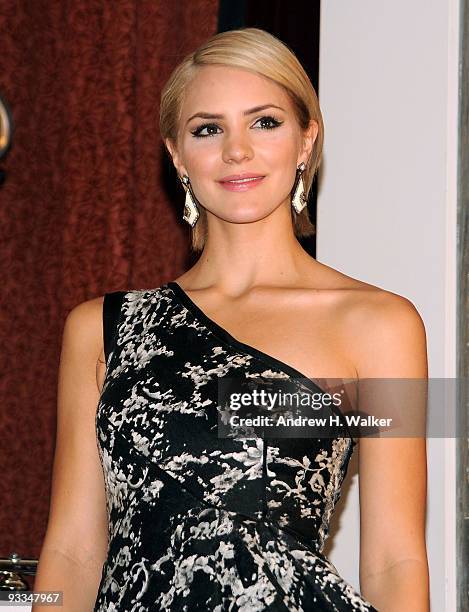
191 211
299 200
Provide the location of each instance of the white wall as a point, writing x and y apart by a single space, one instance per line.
387 204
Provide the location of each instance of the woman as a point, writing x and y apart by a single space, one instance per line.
198 522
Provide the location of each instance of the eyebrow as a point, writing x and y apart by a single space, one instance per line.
250 111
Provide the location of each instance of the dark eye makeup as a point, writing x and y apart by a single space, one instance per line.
197 133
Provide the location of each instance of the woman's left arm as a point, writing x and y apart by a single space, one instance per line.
393 470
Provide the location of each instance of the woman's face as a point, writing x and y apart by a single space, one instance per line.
236 122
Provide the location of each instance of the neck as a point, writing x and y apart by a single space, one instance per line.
237 256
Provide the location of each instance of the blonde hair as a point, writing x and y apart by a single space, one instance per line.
260 52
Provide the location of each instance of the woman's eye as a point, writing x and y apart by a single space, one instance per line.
274 123
207 126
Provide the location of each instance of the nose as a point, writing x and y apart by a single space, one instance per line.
237 147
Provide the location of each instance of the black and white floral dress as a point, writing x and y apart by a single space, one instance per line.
195 521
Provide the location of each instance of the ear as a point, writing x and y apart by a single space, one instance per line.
308 139
174 156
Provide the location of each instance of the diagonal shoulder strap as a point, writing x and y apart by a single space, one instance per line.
112 307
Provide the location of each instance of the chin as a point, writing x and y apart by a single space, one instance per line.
248 216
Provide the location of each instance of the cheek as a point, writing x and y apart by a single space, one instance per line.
278 147
202 157
278 154
279 158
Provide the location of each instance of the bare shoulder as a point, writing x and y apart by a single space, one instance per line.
84 322
385 332
371 305
391 337
86 313
374 310
83 334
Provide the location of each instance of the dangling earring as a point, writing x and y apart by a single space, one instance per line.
299 200
191 211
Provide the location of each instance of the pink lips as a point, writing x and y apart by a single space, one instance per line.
242 185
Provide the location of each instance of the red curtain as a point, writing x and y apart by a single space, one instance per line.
86 207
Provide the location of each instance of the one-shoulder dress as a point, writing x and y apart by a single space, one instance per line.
197 522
